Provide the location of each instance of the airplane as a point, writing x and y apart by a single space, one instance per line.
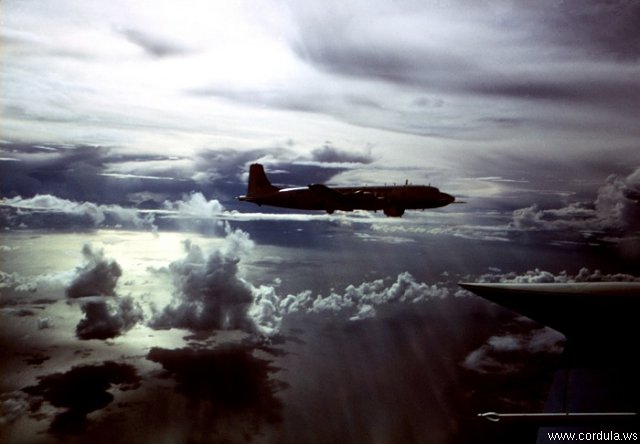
392 200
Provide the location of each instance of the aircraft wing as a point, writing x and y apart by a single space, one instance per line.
326 192
347 201
596 390
575 309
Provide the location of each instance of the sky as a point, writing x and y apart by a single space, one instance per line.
139 300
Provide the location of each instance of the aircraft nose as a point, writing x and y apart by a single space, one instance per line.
448 198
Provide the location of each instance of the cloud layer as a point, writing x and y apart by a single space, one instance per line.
28 209
615 211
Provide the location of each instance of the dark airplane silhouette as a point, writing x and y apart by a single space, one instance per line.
393 200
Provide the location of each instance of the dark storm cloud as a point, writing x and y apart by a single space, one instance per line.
229 382
97 277
101 186
469 58
616 91
605 28
105 319
60 170
71 186
224 172
81 390
105 314
77 172
209 295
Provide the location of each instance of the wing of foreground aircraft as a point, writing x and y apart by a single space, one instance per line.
392 200
595 395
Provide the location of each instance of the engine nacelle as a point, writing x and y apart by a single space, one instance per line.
393 211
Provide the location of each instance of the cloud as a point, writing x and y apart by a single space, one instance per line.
509 352
98 174
330 154
195 205
105 314
505 354
355 303
615 211
208 293
97 277
538 276
368 44
474 232
14 405
153 44
104 319
43 205
17 282
34 283
577 24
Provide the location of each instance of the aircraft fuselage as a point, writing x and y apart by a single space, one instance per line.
409 197
393 200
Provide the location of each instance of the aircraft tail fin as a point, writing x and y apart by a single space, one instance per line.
259 184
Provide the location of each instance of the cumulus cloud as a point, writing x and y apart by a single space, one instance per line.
208 293
503 354
538 276
195 205
616 210
96 214
356 302
105 314
17 282
104 319
98 275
